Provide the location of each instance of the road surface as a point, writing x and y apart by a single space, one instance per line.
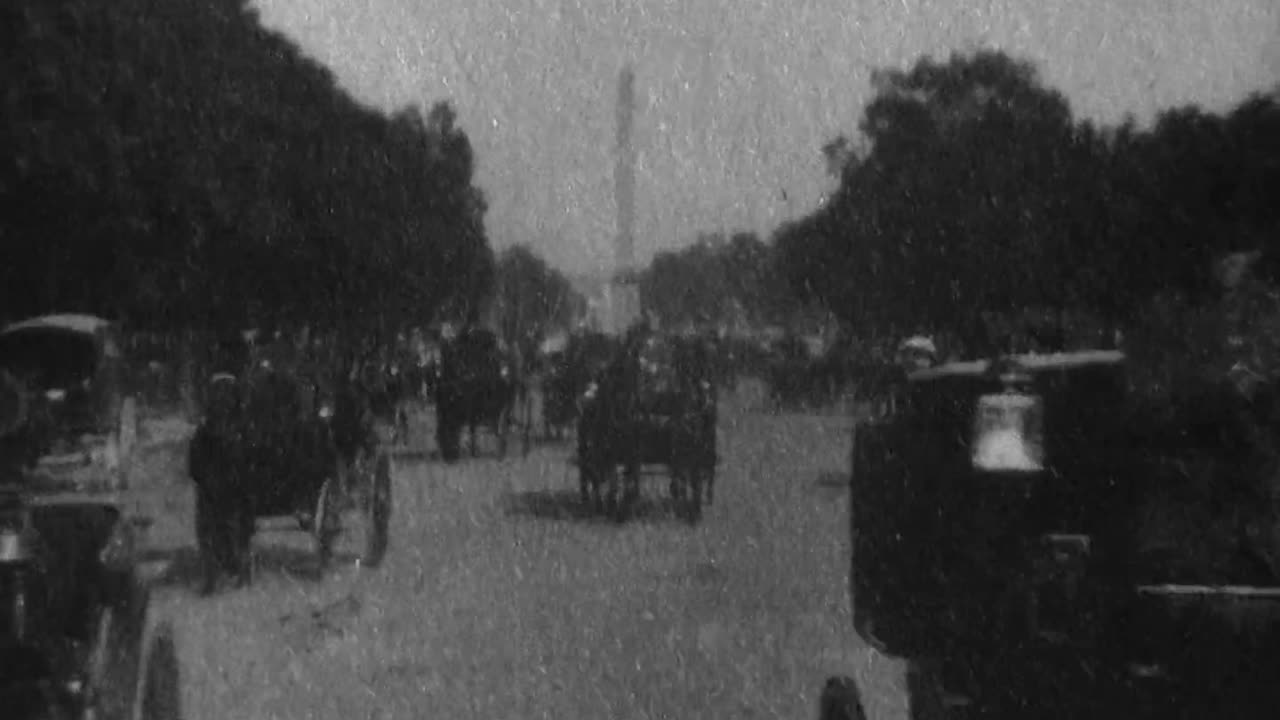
500 600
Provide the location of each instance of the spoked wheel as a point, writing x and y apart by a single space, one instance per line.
608 489
589 478
124 442
686 492
501 428
401 437
527 426
625 490
364 533
111 669
116 659
326 525
586 482
693 507
526 440
375 510
161 695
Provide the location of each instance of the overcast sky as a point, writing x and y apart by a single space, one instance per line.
735 96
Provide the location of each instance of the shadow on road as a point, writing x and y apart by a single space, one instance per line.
566 504
183 567
414 454
162 681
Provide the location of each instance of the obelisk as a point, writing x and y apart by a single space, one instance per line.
623 293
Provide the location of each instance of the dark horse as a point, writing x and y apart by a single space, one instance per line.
477 385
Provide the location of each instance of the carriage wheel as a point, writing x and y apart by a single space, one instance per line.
376 509
686 491
161 694
625 490
676 486
113 667
500 429
527 439
585 482
693 500
611 483
125 441
208 547
327 523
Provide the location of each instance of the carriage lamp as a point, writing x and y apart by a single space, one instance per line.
326 411
1008 433
16 546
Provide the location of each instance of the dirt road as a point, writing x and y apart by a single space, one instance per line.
499 600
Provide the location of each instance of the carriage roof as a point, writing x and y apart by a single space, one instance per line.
70 322
1029 362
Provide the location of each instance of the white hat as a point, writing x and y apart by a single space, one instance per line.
919 343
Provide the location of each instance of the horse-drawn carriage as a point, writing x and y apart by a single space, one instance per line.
81 420
272 444
1037 542
653 405
479 384
569 370
74 639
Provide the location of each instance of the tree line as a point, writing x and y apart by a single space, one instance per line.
974 193
721 280
972 201
531 299
176 165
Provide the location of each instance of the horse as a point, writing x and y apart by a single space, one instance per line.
477 385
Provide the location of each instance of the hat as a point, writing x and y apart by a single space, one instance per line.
918 343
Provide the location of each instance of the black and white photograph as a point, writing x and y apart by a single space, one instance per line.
640 360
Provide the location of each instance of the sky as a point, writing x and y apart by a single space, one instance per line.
735 98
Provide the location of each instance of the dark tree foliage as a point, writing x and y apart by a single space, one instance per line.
979 193
716 281
532 299
176 165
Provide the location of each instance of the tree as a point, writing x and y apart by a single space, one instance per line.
223 179
533 300
716 281
980 194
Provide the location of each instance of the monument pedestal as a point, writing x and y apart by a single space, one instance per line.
621 307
